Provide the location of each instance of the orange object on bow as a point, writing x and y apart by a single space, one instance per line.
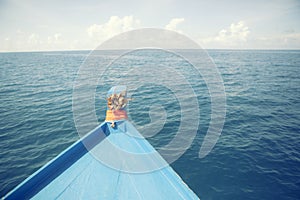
113 115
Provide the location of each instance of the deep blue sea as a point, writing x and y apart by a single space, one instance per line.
256 157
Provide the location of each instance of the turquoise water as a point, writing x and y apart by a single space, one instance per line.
256 157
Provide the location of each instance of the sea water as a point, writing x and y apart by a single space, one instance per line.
256 157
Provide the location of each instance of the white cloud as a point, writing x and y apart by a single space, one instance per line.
57 36
234 36
34 42
237 35
33 39
97 33
113 26
172 25
239 31
55 39
6 44
54 42
284 41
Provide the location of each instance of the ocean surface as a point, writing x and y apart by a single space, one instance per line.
256 157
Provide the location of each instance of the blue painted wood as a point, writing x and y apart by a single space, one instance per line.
36 182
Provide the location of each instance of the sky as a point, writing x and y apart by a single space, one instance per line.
37 25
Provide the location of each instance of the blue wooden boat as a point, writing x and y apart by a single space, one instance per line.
76 173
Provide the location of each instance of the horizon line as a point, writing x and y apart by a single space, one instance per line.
225 49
